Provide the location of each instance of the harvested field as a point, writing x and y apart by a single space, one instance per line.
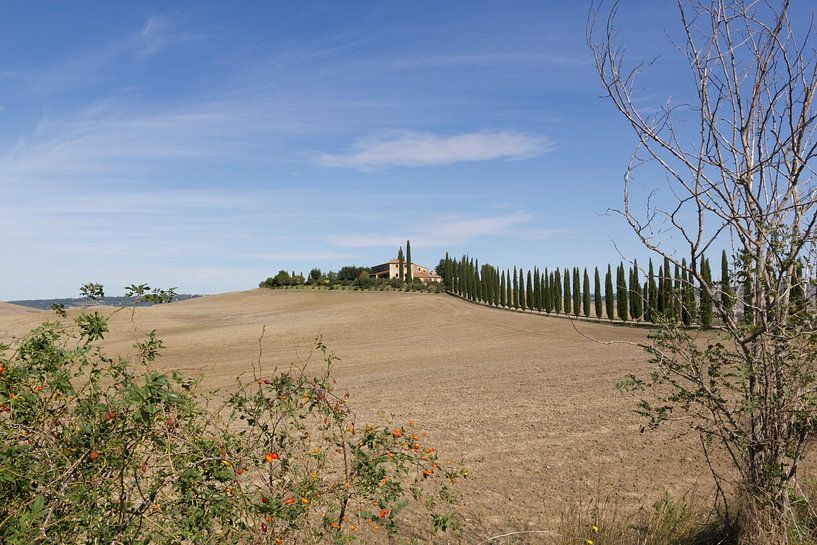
528 403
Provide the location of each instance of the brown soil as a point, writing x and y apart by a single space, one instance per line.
527 402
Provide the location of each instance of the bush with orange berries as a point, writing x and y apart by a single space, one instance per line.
100 449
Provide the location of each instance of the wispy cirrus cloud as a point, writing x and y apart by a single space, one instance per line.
437 233
418 149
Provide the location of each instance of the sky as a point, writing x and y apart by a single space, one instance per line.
207 145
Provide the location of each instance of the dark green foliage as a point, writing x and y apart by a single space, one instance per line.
502 291
577 292
636 296
537 290
568 300
727 293
686 314
522 293
608 293
408 262
597 293
677 295
586 294
400 264
547 291
556 286
652 294
621 293
705 297
515 289
530 301
350 273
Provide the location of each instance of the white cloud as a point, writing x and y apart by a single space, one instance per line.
414 149
445 232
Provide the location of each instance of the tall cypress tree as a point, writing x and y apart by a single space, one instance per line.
652 294
686 316
597 293
669 310
557 291
677 295
530 302
568 299
477 282
400 260
636 297
577 293
548 293
621 295
706 299
608 293
408 262
586 294
502 291
537 294
727 294
515 289
660 307
522 294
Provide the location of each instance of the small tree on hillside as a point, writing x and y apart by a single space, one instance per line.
586 295
400 264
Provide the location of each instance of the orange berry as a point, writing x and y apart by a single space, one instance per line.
93 455
271 456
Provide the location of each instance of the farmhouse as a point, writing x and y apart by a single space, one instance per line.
391 269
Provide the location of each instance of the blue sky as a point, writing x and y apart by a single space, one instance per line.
208 145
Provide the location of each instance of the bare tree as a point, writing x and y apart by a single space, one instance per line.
737 160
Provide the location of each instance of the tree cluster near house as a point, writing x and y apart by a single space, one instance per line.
665 294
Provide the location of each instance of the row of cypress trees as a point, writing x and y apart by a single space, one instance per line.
669 293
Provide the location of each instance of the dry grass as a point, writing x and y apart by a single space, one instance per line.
525 401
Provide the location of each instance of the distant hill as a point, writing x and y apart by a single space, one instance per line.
73 302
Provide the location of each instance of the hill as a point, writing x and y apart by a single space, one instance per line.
528 403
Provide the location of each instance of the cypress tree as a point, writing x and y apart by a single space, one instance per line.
577 293
693 303
502 291
515 289
677 295
557 291
661 306
652 294
548 294
496 288
447 273
636 297
686 316
621 296
608 293
667 287
597 294
408 262
568 299
537 294
529 300
706 299
400 262
727 294
477 282
586 294
522 294
543 279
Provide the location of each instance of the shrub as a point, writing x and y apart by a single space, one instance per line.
99 449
